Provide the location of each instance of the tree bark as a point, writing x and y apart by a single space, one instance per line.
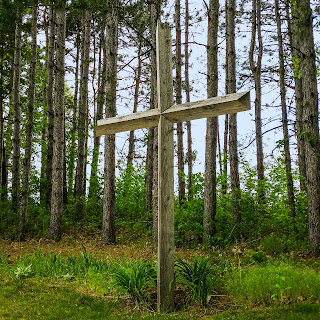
16 139
233 127
287 156
302 16
256 71
83 115
108 223
187 90
224 184
43 192
152 175
210 205
296 57
178 91
29 126
73 148
55 227
50 111
135 106
100 101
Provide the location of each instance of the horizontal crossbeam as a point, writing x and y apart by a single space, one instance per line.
212 107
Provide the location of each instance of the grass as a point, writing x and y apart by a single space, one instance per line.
275 283
73 280
46 300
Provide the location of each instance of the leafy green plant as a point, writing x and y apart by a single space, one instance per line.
23 271
136 278
199 277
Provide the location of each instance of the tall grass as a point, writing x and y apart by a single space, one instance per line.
136 279
201 277
275 283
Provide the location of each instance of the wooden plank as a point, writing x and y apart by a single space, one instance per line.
139 120
165 217
165 288
164 67
212 107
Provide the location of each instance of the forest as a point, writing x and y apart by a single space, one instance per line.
79 211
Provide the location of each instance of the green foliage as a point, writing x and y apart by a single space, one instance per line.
189 217
136 279
200 277
55 266
258 257
131 194
23 271
275 283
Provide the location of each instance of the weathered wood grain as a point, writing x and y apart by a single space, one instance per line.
212 107
139 120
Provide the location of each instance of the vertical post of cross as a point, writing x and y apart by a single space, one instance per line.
165 287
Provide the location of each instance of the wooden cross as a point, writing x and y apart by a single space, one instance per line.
164 117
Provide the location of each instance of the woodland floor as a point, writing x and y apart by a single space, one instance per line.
46 298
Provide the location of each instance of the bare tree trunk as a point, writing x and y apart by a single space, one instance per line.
108 223
256 71
231 88
135 106
100 101
210 205
178 90
224 184
50 112
29 126
153 175
16 139
296 56
302 16
55 226
187 86
1 117
43 192
83 108
284 115
72 152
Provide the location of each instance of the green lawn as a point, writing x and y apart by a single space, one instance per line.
41 299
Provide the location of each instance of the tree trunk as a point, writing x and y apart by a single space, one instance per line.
29 126
72 151
224 184
43 191
284 115
231 88
108 223
210 205
83 115
152 175
16 139
50 112
302 15
187 86
178 91
135 106
100 101
256 71
55 226
296 57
